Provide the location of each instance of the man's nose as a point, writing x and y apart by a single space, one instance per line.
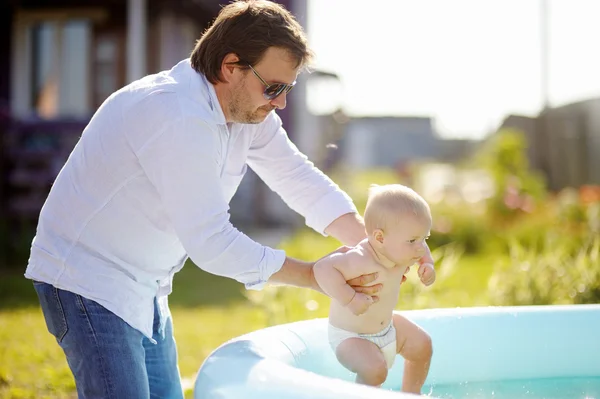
280 101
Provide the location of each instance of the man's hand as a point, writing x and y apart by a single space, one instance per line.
360 285
360 303
426 273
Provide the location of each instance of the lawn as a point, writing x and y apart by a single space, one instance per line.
207 311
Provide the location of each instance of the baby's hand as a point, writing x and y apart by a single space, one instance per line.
426 273
360 303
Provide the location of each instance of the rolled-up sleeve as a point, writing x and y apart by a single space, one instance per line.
182 163
288 172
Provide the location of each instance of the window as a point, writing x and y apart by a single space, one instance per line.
51 66
44 69
107 66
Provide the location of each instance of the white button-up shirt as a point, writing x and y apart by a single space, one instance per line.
148 185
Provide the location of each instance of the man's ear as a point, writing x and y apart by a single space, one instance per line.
228 66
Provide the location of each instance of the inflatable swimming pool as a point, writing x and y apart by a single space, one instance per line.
495 352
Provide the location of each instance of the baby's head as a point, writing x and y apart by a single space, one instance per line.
398 221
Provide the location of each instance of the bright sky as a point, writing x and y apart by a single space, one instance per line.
466 63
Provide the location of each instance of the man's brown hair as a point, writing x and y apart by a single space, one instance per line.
248 28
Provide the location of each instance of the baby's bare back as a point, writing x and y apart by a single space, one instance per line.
378 316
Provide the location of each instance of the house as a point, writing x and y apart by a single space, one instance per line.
62 58
528 127
569 137
388 141
62 61
563 142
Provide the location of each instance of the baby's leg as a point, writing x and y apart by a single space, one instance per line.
414 344
363 358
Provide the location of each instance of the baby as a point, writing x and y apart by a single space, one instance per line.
367 335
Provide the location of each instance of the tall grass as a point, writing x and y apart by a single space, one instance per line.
554 273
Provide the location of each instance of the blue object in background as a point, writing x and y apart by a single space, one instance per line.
530 352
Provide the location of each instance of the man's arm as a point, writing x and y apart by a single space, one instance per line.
349 229
296 273
289 173
301 274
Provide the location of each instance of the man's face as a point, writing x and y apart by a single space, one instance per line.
248 104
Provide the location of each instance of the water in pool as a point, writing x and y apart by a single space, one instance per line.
551 388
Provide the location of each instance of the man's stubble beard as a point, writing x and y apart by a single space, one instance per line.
239 100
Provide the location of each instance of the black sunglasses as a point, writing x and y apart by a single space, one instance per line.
274 90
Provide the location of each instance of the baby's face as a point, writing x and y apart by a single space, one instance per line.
405 244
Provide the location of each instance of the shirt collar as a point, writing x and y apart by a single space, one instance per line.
213 101
200 89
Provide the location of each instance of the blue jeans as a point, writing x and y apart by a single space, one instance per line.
108 357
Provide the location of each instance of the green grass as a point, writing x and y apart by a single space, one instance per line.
207 311
468 285
32 365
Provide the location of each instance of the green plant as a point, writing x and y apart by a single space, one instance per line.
555 273
471 230
415 295
517 188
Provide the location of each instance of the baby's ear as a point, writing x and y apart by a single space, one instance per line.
378 235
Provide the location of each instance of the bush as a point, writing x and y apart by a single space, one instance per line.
518 189
471 230
555 273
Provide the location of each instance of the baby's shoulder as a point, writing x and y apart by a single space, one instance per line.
361 258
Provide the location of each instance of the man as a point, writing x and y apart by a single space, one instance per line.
148 185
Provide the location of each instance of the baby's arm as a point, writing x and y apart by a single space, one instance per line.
332 281
426 273
331 274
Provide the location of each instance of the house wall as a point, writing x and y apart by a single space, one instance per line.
593 143
5 49
564 143
388 141
571 135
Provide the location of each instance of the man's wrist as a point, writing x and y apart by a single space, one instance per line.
296 273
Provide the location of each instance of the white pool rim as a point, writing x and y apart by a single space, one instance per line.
470 345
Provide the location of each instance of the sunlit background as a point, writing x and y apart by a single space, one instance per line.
465 63
489 108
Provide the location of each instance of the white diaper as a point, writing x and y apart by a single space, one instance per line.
384 339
